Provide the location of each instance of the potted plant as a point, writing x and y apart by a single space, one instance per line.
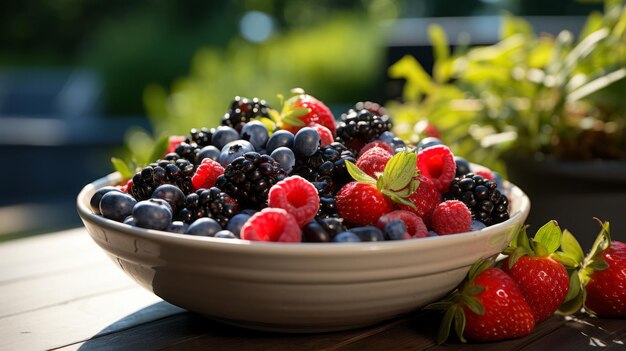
547 110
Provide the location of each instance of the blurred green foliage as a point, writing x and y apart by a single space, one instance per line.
527 94
337 61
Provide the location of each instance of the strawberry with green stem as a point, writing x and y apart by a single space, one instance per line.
364 201
538 268
488 306
599 284
302 110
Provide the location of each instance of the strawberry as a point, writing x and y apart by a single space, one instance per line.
326 136
536 268
599 285
361 204
172 143
424 199
375 143
488 306
302 110
364 201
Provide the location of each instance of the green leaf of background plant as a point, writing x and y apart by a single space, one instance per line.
597 85
439 40
417 80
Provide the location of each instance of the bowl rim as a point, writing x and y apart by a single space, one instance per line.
281 248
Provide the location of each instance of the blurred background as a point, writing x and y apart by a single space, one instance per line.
81 81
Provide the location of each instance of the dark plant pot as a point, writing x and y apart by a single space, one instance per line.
573 193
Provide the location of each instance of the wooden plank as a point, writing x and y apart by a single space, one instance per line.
82 319
47 254
62 287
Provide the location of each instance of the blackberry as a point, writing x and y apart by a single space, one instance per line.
361 126
248 179
481 196
173 171
200 137
327 165
328 207
188 151
373 107
212 203
243 110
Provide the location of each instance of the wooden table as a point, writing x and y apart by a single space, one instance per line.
60 291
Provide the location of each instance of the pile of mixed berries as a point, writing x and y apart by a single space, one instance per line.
299 175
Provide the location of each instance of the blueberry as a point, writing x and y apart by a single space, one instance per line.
130 221
346 237
462 166
224 135
368 233
152 214
116 205
398 145
395 230
172 194
432 233
278 139
204 227
256 133
178 227
387 138
285 157
306 142
332 225
428 142
94 202
233 150
209 151
248 211
236 222
313 232
477 225
225 234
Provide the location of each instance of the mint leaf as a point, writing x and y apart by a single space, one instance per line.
549 236
358 175
159 148
121 166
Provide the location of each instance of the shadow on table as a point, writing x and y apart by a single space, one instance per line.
165 325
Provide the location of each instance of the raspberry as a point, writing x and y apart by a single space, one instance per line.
272 224
124 188
425 199
451 217
437 163
297 196
173 142
373 161
326 136
375 143
207 174
415 227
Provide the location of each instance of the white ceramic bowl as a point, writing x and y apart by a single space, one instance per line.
305 287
